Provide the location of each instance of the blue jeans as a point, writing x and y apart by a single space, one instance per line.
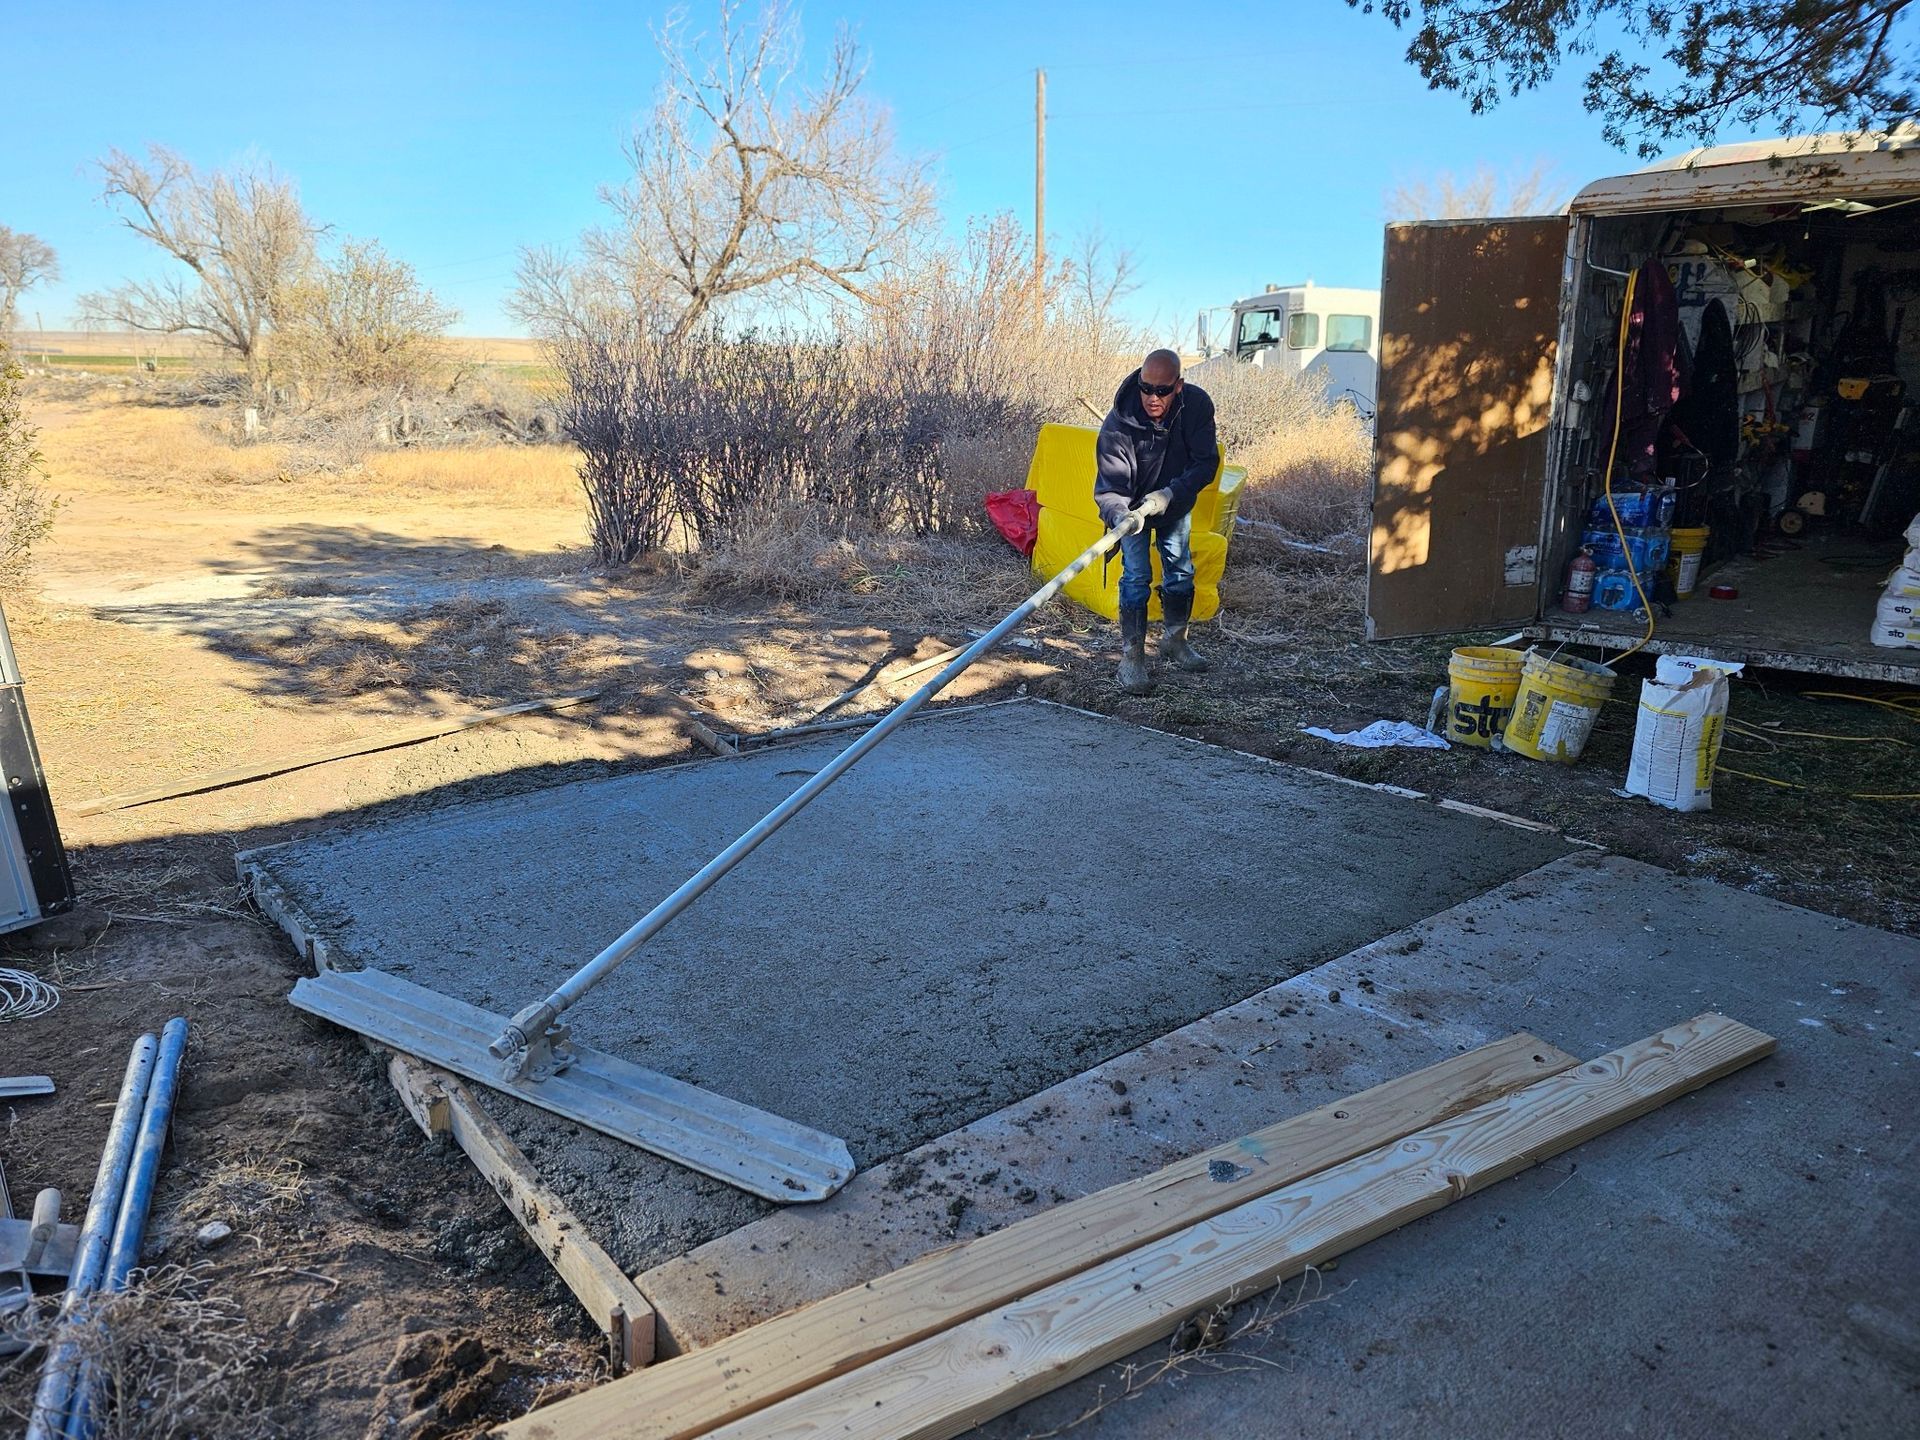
1174 541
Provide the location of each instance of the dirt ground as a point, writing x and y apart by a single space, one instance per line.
200 607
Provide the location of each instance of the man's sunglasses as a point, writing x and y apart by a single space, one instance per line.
1160 390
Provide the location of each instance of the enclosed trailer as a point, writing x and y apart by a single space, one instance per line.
1499 354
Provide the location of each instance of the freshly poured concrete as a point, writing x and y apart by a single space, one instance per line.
990 903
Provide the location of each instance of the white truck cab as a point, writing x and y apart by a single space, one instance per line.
1322 331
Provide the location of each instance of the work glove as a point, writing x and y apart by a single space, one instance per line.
1113 509
1154 504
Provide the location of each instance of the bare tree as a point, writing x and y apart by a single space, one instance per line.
1446 196
25 261
744 182
241 233
362 318
1727 62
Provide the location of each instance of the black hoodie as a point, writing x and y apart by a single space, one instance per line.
1137 457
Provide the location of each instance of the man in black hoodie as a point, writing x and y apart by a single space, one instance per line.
1157 452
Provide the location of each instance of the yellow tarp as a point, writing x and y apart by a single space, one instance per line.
1061 477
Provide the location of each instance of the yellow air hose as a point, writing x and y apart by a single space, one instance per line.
1613 451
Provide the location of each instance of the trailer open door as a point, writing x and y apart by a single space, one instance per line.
1469 327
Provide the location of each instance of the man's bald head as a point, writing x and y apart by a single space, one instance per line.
1161 366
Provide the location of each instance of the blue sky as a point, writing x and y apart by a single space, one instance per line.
1228 145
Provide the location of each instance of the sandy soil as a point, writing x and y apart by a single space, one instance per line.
200 608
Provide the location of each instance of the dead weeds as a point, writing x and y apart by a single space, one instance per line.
791 556
1224 1340
245 1186
172 1357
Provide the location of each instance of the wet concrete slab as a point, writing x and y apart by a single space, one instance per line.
990 903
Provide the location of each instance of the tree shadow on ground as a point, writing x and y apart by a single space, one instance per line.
391 624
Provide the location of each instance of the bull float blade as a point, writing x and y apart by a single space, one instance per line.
760 1153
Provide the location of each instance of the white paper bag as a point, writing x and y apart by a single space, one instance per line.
1676 737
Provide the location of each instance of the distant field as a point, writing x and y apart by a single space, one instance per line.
117 362
108 349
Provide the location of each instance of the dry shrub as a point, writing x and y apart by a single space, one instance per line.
899 417
341 427
693 438
1278 597
791 553
172 1358
26 511
1309 462
786 551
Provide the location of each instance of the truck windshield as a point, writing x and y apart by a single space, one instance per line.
1258 329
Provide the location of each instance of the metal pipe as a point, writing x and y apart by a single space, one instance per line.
532 1023
50 1399
131 1226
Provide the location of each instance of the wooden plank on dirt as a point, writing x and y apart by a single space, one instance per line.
690 719
441 1104
265 769
690 1394
947 1384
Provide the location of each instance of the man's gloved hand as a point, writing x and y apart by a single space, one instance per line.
1113 509
1154 504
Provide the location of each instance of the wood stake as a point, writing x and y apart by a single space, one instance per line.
442 1105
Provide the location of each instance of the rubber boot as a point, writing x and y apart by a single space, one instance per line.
1133 677
1175 612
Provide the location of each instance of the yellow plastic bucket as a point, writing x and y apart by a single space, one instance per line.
1688 543
1555 707
1481 680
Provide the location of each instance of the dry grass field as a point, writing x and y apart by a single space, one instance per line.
112 443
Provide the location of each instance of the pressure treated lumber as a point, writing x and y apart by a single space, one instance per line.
442 1105
946 1385
261 770
690 1394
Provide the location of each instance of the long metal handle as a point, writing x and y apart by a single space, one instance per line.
533 1022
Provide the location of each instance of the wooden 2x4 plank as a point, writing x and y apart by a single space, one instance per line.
690 1394
442 1105
264 769
945 1385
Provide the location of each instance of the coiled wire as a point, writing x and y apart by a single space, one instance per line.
24 996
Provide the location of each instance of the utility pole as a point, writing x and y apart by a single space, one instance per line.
1040 186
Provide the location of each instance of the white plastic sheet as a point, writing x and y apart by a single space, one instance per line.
1383 735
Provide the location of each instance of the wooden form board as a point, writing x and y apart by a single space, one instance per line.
946 1385
264 769
690 1394
441 1104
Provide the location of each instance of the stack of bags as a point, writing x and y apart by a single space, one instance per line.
1896 623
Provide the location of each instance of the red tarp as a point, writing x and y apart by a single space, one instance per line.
1016 515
